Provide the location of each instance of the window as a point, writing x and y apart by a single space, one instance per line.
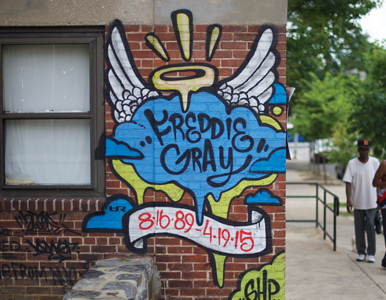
52 112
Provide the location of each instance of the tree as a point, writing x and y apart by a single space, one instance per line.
345 146
325 103
324 36
368 118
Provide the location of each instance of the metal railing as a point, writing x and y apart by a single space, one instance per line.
320 199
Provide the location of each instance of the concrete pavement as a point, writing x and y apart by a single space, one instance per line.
313 270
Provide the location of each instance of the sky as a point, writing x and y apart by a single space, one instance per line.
374 24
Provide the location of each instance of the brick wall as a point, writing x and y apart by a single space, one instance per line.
44 250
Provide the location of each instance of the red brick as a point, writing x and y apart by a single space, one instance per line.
103 249
168 241
12 256
147 28
171 275
244 36
9 224
182 267
201 267
279 249
234 28
180 284
115 255
89 256
51 297
57 291
254 28
27 297
231 63
136 37
113 241
177 250
197 283
160 28
167 258
132 28
201 28
194 275
191 292
37 290
217 292
12 290
195 258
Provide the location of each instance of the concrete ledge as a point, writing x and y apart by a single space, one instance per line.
118 279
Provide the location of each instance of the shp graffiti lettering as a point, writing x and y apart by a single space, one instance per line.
60 251
261 288
42 223
265 283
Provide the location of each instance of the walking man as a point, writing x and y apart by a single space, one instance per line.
362 196
379 182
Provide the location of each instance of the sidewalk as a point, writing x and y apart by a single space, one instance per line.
313 270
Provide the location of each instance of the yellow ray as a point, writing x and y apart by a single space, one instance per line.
214 36
184 32
154 43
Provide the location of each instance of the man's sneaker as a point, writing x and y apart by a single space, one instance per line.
371 259
384 261
361 257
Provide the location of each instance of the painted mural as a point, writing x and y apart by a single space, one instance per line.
212 139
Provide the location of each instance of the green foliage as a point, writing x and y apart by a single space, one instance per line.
325 103
324 40
368 118
345 146
375 64
324 36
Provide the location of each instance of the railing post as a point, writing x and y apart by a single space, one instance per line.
325 213
317 204
336 213
334 210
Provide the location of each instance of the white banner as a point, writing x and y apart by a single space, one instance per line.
248 239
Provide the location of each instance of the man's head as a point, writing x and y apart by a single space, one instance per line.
363 149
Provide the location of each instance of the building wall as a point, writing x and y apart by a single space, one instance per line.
48 244
142 12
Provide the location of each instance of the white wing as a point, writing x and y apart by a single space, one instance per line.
126 90
253 86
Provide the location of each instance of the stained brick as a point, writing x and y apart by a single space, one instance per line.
103 249
36 290
180 284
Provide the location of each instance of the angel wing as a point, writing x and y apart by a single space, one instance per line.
253 83
126 89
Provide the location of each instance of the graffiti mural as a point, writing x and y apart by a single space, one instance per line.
267 282
28 253
212 139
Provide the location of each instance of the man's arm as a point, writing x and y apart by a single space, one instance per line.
348 197
379 176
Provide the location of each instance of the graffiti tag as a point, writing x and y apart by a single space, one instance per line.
60 251
43 223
